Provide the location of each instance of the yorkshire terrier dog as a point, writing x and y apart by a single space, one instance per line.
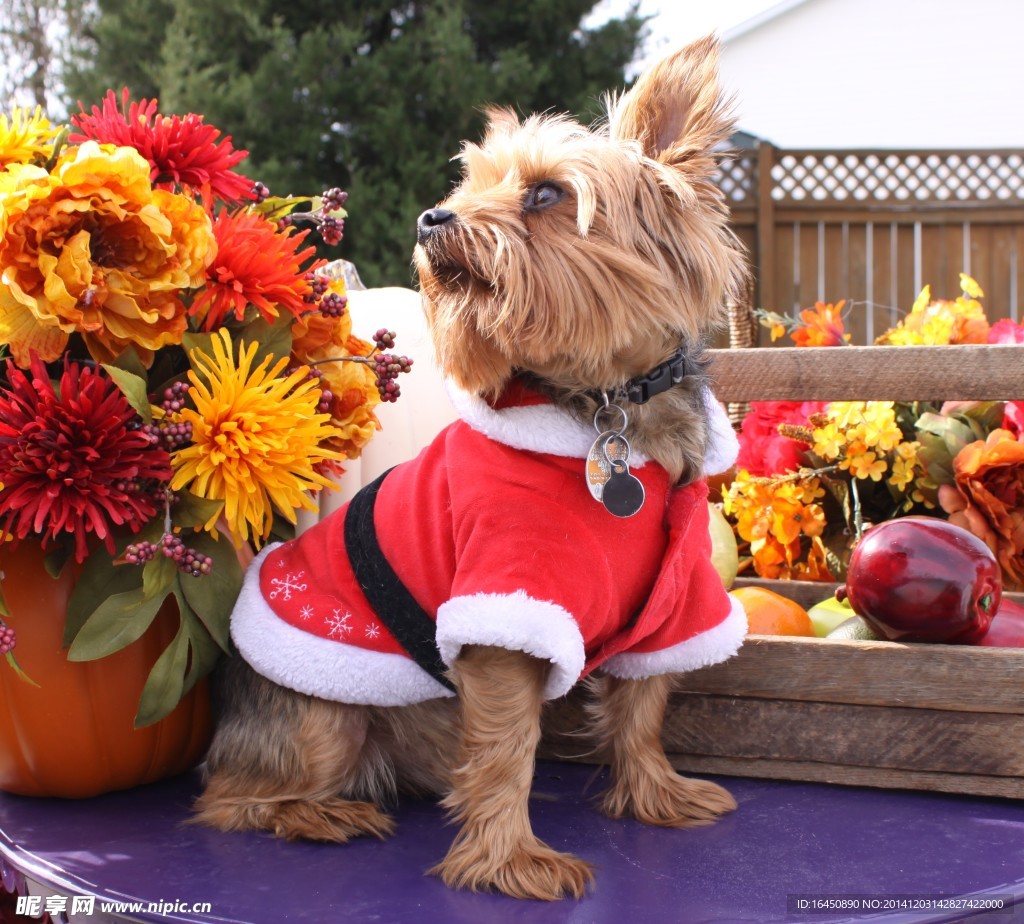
559 529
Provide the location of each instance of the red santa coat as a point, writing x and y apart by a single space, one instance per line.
493 531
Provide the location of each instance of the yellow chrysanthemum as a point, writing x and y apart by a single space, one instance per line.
256 439
26 137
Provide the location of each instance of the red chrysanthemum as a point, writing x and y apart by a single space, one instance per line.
255 265
181 151
69 462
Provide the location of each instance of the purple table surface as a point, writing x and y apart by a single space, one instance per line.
785 841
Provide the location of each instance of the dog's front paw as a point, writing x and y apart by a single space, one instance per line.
333 820
527 870
668 799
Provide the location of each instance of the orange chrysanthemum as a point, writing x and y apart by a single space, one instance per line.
255 265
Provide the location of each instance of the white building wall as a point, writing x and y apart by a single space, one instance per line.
882 73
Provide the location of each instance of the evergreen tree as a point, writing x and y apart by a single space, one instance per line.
371 96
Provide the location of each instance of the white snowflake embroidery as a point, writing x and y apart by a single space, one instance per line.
306 612
287 585
372 630
338 624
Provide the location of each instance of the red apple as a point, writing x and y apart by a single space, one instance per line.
921 579
1007 629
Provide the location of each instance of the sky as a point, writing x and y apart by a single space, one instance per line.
676 22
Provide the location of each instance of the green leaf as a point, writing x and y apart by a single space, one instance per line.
274 338
5 610
274 208
985 416
166 682
128 359
213 595
205 652
194 511
134 389
936 458
16 667
953 432
101 578
158 576
114 624
56 559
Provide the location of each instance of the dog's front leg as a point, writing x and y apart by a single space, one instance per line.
501 692
628 719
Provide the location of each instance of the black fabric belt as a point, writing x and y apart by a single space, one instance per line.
407 621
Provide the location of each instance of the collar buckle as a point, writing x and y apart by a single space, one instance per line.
641 389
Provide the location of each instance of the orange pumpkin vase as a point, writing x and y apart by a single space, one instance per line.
73 735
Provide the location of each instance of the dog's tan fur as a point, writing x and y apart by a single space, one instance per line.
635 259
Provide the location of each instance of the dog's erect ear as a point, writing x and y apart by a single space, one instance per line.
675 110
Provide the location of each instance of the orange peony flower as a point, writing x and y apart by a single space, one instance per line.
988 499
92 248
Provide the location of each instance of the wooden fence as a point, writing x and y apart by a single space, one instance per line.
873 227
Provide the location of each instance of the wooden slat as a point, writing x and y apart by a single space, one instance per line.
969 783
972 372
890 737
868 673
868 758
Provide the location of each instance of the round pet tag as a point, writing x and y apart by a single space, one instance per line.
623 493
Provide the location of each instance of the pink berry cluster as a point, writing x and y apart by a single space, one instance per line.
7 638
326 395
168 433
388 366
331 229
259 192
332 305
188 560
318 284
333 199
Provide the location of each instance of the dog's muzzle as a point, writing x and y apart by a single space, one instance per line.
432 220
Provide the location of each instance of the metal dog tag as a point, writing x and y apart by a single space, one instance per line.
623 493
609 447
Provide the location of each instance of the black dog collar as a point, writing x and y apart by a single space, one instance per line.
661 378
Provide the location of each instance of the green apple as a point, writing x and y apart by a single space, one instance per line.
828 614
724 555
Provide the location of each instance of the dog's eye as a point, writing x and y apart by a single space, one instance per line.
543 195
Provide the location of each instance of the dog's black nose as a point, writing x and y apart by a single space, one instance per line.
431 220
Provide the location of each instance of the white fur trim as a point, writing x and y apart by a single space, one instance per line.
536 427
519 622
716 644
319 666
552 429
723 446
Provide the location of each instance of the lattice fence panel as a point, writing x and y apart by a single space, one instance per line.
737 178
897 176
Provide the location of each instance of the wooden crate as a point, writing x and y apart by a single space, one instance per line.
938 717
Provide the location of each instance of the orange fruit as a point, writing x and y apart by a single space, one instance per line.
769 613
